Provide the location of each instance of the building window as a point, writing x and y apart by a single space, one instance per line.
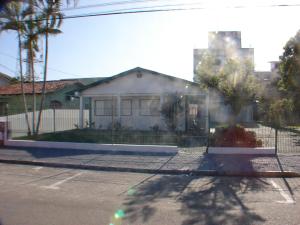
104 107
149 107
193 109
126 107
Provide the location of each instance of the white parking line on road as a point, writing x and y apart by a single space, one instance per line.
55 185
286 196
38 168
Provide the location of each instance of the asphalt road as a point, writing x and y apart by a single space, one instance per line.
39 195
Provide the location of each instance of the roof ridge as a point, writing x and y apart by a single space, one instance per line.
125 73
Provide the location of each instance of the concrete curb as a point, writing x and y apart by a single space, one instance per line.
155 171
104 152
92 146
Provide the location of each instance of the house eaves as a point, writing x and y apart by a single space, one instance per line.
137 69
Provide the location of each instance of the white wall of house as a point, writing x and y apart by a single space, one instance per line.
140 89
146 84
129 116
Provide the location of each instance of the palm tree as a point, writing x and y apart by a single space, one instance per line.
52 18
11 18
32 32
32 19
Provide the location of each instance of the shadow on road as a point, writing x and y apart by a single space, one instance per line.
218 201
202 200
235 163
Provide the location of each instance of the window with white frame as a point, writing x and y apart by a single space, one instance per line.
126 107
149 107
104 107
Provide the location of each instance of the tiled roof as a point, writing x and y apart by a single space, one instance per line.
2 75
51 86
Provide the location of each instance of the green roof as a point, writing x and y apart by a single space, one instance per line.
86 80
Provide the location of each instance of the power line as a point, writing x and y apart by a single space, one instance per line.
177 4
184 3
50 68
14 72
67 73
128 10
110 4
159 8
145 1
153 7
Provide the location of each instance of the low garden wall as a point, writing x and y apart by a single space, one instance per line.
242 150
91 146
81 146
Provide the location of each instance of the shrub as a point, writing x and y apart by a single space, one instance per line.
234 136
155 128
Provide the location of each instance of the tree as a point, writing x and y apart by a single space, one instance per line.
233 80
289 69
50 12
32 20
32 32
11 18
171 109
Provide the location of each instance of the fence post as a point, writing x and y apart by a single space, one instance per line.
208 135
4 127
54 118
90 113
6 112
207 121
276 140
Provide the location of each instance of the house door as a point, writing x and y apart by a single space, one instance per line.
3 108
195 113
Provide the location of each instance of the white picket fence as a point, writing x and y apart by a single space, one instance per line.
58 120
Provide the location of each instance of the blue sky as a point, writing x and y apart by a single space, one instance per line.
164 42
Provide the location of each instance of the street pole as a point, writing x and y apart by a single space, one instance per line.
207 120
276 140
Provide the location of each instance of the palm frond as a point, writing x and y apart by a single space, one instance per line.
54 31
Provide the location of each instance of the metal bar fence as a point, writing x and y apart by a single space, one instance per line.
61 124
288 140
65 120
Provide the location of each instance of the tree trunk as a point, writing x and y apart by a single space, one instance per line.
31 5
232 120
33 87
22 86
44 80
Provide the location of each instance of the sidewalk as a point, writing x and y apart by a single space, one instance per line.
187 161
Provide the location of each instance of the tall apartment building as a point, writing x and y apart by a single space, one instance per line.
224 45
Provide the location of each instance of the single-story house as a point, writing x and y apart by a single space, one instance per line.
57 94
135 99
4 79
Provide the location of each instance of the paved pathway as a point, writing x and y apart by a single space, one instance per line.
186 160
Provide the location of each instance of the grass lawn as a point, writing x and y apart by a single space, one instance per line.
121 137
107 137
294 127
